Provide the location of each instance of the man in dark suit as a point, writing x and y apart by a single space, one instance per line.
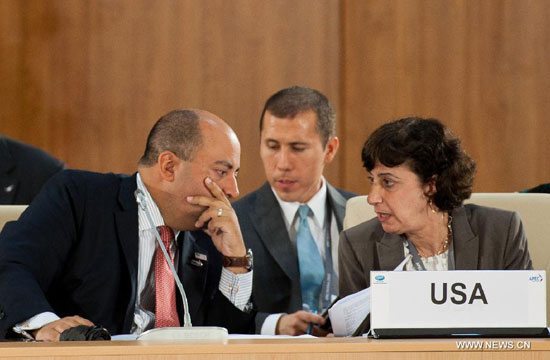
23 171
542 188
297 130
84 252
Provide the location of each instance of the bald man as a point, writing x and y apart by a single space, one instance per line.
85 253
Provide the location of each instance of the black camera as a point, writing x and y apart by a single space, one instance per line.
85 333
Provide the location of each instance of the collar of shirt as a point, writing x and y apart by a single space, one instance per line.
318 224
317 204
143 318
144 224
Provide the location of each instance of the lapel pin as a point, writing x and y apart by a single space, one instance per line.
196 263
9 188
200 256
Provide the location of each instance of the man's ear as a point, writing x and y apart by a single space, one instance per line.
331 149
167 164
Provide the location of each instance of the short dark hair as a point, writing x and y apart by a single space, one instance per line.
289 102
178 131
430 150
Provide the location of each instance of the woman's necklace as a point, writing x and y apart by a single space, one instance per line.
446 242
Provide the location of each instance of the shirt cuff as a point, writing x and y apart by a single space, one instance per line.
236 287
269 327
36 322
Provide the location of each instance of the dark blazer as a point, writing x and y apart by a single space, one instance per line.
75 251
23 171
484 239
276 281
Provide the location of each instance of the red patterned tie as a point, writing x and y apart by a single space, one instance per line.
166 314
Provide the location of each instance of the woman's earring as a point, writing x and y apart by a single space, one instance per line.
431 205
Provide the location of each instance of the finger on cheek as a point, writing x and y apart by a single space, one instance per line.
210 185
214 189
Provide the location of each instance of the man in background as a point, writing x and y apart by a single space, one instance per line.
23 171
542 188
292 222
85 253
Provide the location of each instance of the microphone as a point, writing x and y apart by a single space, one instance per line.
140 199
209 334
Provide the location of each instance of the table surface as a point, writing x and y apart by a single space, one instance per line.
286 348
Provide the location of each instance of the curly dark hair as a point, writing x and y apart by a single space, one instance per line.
430 150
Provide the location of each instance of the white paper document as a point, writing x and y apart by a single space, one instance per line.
349 312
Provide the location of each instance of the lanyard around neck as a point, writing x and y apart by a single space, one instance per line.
330 278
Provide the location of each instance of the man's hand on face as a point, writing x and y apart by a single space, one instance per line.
219 221
53 330
299 322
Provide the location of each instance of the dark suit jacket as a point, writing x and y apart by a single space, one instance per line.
75 251
23 171
276 275
484 239
542 188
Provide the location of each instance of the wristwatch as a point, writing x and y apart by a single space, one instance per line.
239 261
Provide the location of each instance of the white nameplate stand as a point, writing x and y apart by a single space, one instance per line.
188 334
460 301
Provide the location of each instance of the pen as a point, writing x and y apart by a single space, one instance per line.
310 324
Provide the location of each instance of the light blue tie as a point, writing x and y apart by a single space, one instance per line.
312 270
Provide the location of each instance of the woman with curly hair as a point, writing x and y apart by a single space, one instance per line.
420 177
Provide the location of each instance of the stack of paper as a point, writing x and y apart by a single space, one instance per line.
349 312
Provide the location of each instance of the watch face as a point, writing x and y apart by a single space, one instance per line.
250 258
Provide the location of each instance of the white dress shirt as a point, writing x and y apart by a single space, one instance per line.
318 225
236 287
